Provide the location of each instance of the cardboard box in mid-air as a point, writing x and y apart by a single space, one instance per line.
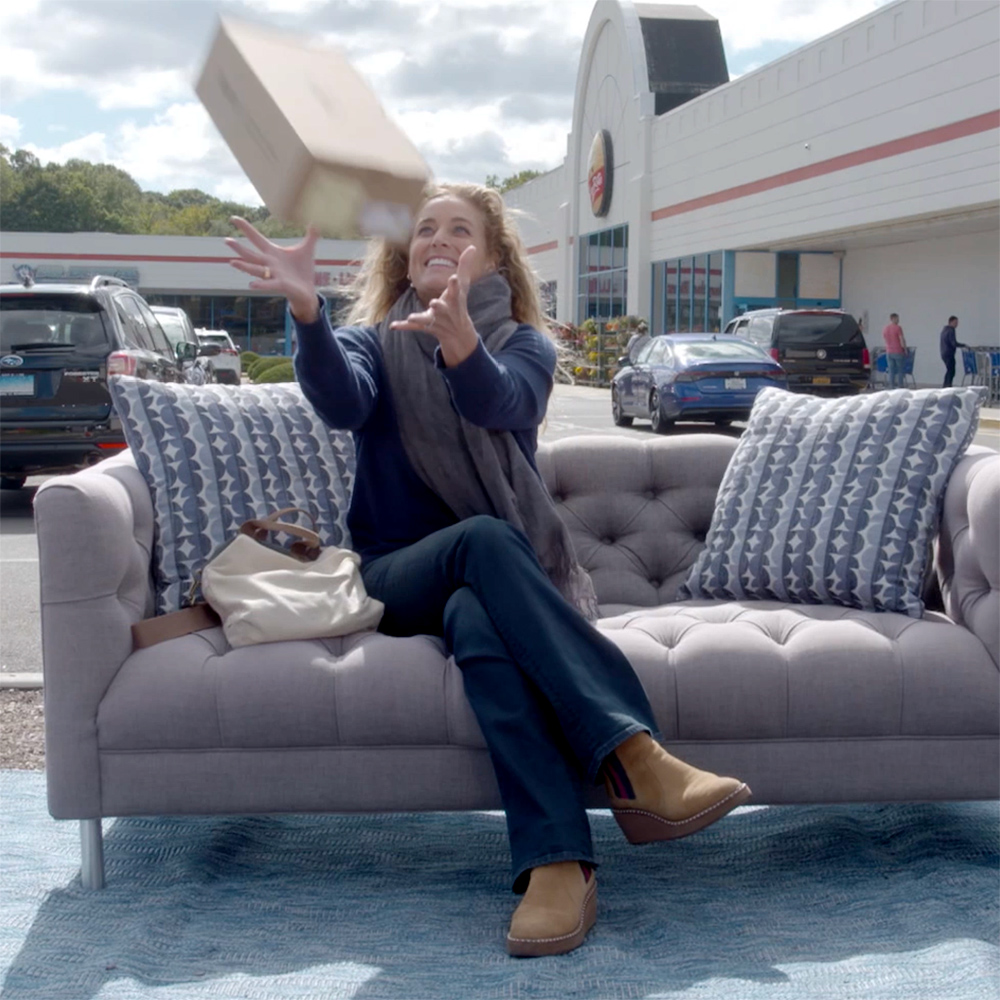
310 134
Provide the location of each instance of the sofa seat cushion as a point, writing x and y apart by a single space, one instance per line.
712 670
365 689
742 670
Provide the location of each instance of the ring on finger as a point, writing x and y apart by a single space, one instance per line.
267 274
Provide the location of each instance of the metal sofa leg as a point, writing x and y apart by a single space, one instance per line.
91 854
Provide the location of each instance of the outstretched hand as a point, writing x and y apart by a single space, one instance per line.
288 271
447 317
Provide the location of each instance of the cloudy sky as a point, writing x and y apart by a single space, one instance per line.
481 87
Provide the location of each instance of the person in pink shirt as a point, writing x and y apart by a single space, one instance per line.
895 351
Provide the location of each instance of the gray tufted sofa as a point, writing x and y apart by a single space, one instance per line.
806 703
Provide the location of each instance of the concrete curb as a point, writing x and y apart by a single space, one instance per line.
24 682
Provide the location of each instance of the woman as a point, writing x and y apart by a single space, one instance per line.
443 375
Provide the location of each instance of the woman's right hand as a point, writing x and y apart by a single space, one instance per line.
288 271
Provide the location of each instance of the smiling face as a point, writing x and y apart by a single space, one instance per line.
446 225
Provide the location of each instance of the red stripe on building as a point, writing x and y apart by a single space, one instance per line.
895 147
149 257
542 247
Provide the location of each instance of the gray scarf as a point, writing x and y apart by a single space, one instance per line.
473 470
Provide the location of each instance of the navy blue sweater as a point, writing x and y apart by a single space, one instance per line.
949 343
342 375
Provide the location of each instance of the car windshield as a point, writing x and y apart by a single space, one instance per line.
693 351
39 321
173 327
817 328
222 339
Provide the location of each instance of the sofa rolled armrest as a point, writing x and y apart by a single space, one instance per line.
95 531
967 553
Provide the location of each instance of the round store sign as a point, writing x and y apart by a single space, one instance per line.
600 173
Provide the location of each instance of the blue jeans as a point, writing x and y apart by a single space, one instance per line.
552 695
897 369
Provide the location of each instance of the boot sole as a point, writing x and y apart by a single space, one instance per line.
642 827
538 947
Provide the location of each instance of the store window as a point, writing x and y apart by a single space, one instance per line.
714 320
687 295
602 287
254 322
670 312
684 294
699 293
267 326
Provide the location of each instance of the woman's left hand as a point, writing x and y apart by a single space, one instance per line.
447 317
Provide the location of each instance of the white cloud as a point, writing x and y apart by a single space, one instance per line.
92 147
746 25
180 148
10 129
470 112
144 90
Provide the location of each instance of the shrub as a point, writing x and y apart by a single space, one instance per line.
261 365
247 358
283 372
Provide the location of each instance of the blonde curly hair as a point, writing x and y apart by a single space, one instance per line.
383 279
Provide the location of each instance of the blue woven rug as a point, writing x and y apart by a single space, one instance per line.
867 902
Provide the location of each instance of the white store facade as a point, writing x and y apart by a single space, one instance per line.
861 171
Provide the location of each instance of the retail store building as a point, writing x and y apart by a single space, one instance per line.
188 271
861 171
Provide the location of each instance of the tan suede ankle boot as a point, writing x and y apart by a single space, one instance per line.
558 908
655 796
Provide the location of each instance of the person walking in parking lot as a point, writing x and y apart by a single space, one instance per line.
895 351
444 376
949 345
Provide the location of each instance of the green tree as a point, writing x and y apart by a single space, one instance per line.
514 181
80 196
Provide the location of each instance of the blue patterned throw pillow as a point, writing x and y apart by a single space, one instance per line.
215 456
835 501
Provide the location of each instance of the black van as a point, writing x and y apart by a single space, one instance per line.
58 345
822 350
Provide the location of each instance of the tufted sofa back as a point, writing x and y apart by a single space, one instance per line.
638 510
967 554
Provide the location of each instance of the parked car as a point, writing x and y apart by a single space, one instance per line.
194 356
823 350
691 376
58 345
226 363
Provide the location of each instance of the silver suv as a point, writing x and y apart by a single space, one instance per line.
227 364
192 354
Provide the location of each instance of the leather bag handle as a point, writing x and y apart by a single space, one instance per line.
308 546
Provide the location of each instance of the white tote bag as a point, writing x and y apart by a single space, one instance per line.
264 593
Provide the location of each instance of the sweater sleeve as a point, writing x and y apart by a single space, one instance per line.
339 370
508 391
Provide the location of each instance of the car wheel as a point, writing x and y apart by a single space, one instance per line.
11 482
616 410
660 423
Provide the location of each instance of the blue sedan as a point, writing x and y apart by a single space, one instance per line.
692 376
